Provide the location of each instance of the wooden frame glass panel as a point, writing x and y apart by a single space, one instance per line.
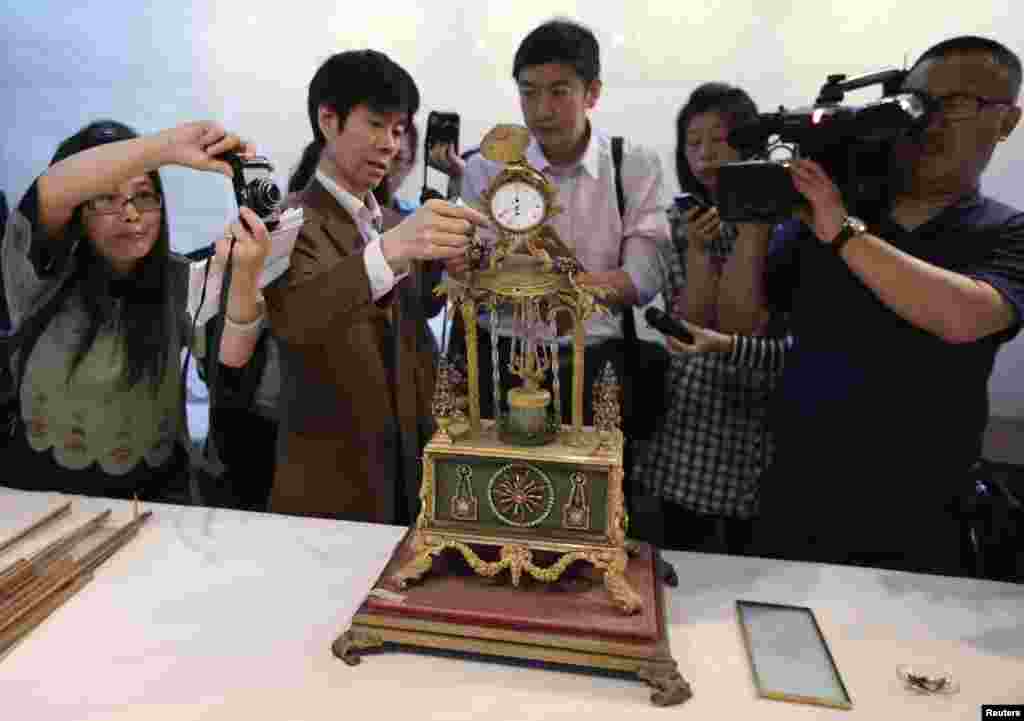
789 657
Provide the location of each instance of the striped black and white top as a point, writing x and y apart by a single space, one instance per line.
713 444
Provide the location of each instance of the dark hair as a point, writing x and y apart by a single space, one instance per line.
144 320
732 102
560 41
306 167
344 81
975 44
383 192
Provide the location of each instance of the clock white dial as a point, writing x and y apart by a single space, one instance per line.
518 206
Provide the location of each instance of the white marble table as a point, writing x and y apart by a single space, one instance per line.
219 614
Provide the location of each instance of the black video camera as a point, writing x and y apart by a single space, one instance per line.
852 143
255 187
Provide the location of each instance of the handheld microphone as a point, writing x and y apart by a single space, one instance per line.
663 322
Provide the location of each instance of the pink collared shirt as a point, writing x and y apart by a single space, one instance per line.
590 223
368 219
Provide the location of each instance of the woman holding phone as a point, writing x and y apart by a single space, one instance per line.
705 460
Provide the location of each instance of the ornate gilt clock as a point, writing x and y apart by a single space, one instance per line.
523 483
520 201
523 494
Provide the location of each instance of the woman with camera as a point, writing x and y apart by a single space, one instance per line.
706 457
98 306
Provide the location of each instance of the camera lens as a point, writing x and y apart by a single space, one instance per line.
264 196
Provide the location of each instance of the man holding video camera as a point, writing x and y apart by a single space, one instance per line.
898 317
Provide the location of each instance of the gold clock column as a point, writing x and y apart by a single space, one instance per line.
472 362
579 339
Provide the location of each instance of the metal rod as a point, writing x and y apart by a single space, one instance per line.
59 580
10 637
11 583
57 574
495 364
111 545
472 362
21 535
579 341
64 544
556 383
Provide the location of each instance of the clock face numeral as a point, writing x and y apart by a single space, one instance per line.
518 206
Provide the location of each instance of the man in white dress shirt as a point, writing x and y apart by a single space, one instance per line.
557 72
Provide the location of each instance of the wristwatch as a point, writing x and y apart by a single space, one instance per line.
850 227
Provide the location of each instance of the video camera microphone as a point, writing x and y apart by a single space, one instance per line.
665 323
822 125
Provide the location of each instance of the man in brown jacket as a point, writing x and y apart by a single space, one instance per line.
356 377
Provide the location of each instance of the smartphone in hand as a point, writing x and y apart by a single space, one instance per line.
662 321
442 128
687 201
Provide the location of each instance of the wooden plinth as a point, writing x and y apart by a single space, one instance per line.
571 622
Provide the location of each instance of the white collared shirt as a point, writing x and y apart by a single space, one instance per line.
590 223
368 218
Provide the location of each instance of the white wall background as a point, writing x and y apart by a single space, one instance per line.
153 64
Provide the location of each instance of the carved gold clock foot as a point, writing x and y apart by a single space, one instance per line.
413 571
350 644
629 601
422 562
669 688
662 568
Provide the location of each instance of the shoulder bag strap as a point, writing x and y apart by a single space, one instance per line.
628 317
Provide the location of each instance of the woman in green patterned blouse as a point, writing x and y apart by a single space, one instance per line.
98 305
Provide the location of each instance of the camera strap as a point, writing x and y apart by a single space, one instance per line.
628 314
200 461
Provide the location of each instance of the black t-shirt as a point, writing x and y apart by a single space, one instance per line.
863 389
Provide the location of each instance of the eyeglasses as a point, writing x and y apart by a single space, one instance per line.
144 202
960 106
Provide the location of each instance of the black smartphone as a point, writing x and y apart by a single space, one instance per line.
662 321
687 201
442 128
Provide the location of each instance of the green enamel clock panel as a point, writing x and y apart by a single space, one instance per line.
503 493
